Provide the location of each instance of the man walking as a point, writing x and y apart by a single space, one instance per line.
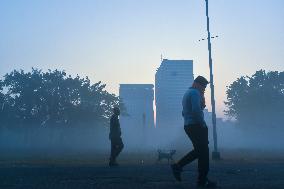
196 129
115 137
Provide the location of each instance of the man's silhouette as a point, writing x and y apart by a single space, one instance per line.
195 127
115 137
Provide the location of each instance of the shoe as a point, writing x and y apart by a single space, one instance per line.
176 169
207 184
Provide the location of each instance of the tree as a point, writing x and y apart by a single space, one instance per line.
257 100
2 101
53 98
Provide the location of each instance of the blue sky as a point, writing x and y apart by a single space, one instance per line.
121 41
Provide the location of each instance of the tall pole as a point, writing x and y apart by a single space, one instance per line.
215 153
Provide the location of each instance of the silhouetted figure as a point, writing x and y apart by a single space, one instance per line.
196 129
115 137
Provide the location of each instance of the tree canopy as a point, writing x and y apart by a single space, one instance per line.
52 98
257 100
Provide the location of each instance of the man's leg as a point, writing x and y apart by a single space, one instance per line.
191 132
192 155
116 148
203 161
112 153
203 167
119 147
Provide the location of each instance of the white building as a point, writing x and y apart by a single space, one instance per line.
172 79
138 100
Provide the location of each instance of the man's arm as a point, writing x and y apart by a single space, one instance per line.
196 108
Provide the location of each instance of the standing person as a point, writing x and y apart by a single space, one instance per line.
115 137
196 129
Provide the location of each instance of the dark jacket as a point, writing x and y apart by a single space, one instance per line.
115 131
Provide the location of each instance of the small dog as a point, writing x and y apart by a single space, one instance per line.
166 155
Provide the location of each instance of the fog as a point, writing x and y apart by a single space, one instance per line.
53 141
47 142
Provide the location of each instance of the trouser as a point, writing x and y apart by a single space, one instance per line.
198 135
116 148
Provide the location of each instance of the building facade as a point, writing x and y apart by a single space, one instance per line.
138 100
172 79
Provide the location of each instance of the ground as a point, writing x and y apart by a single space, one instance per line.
136 173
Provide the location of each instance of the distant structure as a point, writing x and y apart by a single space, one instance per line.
207 116
172 79
138 100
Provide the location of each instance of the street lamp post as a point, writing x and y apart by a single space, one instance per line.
215 153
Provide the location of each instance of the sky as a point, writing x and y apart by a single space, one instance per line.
121 41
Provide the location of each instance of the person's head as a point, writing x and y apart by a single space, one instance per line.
200 83
116 110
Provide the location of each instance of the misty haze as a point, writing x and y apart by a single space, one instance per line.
141 94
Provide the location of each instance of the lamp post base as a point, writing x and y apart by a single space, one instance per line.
216 155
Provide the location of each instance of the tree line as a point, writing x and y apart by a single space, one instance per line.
53 98
258 100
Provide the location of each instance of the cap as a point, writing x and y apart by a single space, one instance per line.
201 80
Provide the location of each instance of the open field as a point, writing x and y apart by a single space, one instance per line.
92 172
